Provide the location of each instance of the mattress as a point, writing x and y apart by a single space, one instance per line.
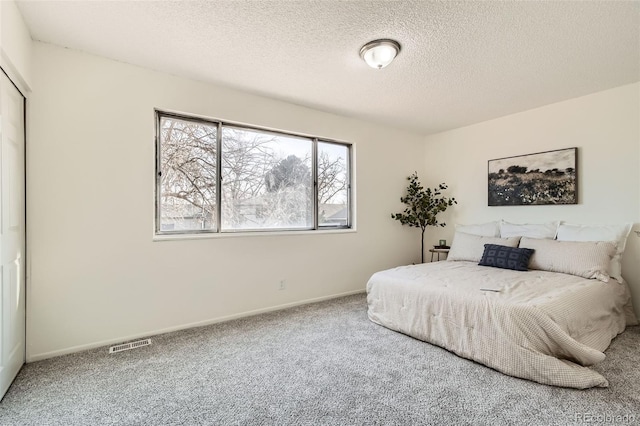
543 326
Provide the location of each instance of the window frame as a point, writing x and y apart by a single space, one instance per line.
218 231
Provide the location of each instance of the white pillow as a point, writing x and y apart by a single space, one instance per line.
615 233
489 229
542 230
470 247
587 259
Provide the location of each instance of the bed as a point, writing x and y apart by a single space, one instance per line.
536 324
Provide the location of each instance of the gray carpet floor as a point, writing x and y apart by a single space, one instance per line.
319 364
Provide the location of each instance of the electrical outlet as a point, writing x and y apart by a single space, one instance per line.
282 285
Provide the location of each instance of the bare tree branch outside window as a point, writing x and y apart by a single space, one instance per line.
188 175
332 184
266 179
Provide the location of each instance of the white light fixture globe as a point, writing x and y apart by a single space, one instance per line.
379 53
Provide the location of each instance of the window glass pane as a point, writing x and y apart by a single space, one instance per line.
266 181
188 175
333 180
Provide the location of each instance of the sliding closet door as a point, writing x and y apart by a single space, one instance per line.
12 233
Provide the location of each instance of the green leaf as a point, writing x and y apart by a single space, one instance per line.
423 205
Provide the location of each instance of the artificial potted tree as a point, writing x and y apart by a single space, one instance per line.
423 206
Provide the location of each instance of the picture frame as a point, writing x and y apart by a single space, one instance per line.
541 178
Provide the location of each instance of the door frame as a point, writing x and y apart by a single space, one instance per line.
25 268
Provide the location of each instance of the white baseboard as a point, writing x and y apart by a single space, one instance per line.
60 352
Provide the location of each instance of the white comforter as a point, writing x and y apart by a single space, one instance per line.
542 326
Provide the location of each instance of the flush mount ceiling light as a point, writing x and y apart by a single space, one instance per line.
379 53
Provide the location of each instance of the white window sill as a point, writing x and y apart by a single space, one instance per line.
240 234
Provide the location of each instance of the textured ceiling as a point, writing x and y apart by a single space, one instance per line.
461 62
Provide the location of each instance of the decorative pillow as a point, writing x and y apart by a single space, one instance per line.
470 247
542 230
616 233
506 257
588 259
489 229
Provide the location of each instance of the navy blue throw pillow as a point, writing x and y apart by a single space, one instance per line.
506 257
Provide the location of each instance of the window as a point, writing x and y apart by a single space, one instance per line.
214 176
188 175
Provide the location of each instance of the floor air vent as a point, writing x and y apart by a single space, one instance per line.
130 345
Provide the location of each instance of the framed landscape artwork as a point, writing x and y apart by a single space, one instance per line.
542 178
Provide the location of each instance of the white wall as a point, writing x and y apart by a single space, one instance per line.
15 46
605 127
96 275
